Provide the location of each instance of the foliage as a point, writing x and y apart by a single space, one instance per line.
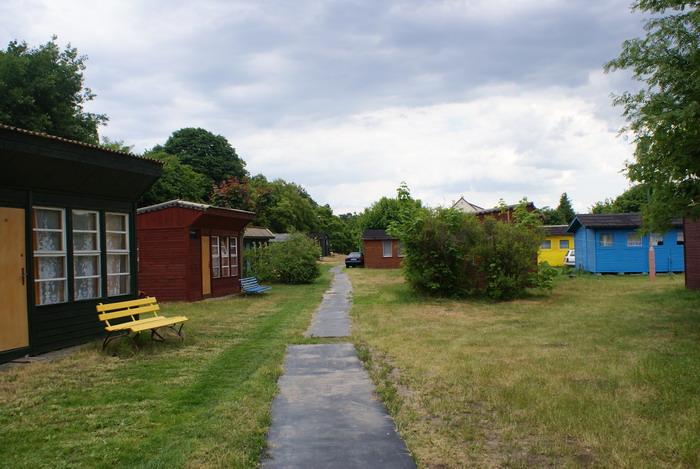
392 214
282 206
116 145
631 201
178 181
207 153
450 253
233 193
42 89
550 216
664 116
562 215
293 261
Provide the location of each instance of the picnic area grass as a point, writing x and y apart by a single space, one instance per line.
604 372
204 403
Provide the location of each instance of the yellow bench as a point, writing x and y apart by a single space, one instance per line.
140 315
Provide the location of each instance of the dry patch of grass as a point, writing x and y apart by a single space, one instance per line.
604 372
204 403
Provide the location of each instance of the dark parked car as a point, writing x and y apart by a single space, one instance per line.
355 259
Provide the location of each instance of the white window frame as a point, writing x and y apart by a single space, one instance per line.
680 238
603 244
119 252
93 253
391 248
568 244
217 256
225 262
233 254
545 245
63 253
655 238
637 243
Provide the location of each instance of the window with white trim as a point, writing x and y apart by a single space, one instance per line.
225 260
656 239
118 266
215 258
49 246
606 240
233 251
386 248
86 255
546 244
634 240
680 238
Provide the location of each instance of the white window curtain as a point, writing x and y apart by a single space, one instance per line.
233 251
386 248
86 255
215 259
118 265
49 246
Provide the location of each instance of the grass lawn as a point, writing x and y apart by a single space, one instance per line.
605 372
203 403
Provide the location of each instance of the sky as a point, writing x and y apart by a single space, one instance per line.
486 99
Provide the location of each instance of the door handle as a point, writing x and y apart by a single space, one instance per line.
22 275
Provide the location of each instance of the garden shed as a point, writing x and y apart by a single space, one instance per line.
557 241
256 236
67 213
691 230
189 251
381 250
612 243
323 241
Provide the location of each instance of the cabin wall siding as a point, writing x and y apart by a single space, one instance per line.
374 258
163 258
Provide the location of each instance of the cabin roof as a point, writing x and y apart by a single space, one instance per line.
372 235
258 232
555 230
191 206
610 220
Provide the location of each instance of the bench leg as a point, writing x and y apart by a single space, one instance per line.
154 334
111 337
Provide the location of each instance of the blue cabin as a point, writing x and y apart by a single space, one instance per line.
612 243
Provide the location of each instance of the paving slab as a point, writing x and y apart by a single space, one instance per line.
326 415
331 319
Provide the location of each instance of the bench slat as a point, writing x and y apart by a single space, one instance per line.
162 322
129 312
127 325
101 308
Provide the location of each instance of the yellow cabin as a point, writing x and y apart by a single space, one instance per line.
555 245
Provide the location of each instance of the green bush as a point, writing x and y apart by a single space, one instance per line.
292 261
449 253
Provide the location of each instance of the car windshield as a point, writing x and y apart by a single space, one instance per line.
354 254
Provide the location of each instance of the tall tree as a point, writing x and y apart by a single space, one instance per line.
632 200
43 89
664 116
565 209
178 181
207 153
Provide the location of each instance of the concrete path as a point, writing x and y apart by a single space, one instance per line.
331 318
326 414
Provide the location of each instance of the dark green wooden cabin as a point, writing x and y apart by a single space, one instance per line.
68 240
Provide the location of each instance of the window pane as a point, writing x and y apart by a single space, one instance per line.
116 241
85 241
234 246
51 292
225 272
224 247
49 267
86 288
48 219
115 222
48 241
546 244
85 266
117 263
118 284
386 248
634 240
563 244
84 221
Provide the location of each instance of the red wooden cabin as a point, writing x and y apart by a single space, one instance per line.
189 251
381 250
691 238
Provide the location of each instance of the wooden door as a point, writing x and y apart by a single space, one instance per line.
14 330
206 266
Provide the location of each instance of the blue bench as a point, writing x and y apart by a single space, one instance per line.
251 285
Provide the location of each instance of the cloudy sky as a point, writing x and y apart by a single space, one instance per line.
487 99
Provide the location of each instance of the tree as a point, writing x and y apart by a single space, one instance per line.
550 216
391 213
116 145
178 181
42 89
631 201
565 209
233 193
208 154
664 116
